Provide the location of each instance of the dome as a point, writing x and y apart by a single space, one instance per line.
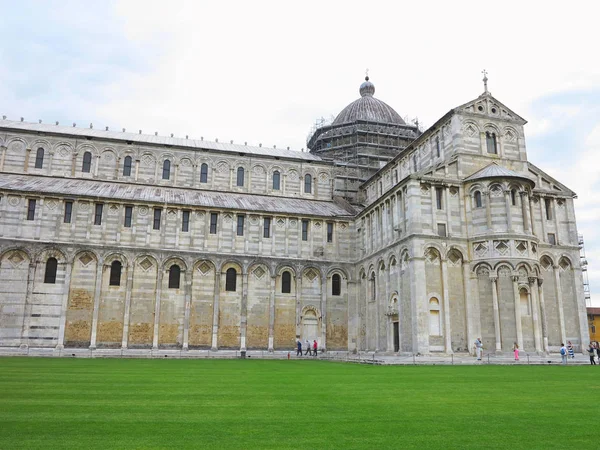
368 108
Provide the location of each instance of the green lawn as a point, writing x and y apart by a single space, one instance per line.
129 403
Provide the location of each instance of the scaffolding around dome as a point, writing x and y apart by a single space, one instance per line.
362 138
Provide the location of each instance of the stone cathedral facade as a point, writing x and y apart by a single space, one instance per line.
381 238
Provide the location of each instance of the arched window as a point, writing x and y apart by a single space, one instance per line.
166 170
204 173
240 176
50 274
127 166
115 273
490 139
276 180
230 280
435 328
174 276
513 197
87 162
336 285
524 301
286 283
307 183
39 158
373 288
477 197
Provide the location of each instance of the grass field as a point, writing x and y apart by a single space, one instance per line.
110 403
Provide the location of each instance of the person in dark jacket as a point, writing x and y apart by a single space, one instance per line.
299 351
591 351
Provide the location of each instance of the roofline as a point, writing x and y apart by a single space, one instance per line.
138 139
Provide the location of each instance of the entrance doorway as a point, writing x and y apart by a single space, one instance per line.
396 337
310 326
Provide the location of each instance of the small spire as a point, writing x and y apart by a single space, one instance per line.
367 75
485 80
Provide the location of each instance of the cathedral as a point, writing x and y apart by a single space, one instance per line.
380 238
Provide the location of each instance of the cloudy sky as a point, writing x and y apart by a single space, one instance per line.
263 72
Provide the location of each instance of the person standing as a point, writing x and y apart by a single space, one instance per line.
516 350
591 351
570 349
308 352
598 350
315 347
478 348
299 350
563 353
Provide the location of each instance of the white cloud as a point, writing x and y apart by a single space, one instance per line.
263 71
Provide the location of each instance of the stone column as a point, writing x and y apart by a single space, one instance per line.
97 166
420 307
532 217
556 222
508 201
137 169
272 312
518 323
73 164
446 303
215 329
533 300
50 159
559 298
64 307
384 221
488 209
494 281
524 212
97 293
543 312
433 209
544 236
27 309
159 280
188 304
244 311
448 211
323 311
388 323
176 174
298 306
127 311
468 303
26 163
3 150
377 310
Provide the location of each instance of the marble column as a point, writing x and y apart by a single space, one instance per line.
159 279
127 309
517 298
494 281
533 300
64 307
559 298
543 313
215 328
188 304
446 303
97 293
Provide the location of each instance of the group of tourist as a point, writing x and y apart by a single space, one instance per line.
567 351
311 349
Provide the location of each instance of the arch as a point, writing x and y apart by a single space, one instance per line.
127 163
311 308
565 262
16 249
482 267
48 252
86 165
308 183
546 261
204 173
240 177
524 265
166 170
433 246
174 260
50 271
499 265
